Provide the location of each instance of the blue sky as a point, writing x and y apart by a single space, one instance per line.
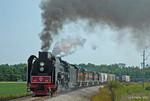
20 24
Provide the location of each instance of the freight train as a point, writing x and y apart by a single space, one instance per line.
47 74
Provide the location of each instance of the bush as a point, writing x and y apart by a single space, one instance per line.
117 90
147 88
114 85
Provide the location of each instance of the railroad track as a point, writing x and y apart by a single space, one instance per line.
35 98
42 98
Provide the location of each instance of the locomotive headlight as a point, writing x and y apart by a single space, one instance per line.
41 69
41 63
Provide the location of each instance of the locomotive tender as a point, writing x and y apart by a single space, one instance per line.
47 74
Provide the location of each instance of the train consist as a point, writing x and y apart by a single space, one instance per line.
47 74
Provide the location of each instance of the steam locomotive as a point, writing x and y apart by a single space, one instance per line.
47 74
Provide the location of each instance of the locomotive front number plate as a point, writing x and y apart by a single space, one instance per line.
41 79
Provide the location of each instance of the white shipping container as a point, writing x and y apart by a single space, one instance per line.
110 77
125 78
103 77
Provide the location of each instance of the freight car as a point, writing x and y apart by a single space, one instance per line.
47 74
103 77
110 77
125 78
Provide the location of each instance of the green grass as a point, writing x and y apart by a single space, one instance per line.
104 95
139 100
131 90
124 92
11 90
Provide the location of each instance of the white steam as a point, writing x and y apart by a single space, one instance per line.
68 46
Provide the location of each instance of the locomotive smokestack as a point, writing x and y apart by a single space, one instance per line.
44 55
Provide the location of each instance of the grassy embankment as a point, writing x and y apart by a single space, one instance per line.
11 90
115 91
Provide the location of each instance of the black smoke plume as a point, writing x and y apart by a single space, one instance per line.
118 14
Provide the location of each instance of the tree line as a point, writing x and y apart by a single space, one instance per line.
18 71
13 72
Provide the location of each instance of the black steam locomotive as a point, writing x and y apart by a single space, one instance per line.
48 74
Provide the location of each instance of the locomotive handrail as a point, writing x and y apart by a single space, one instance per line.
30 60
